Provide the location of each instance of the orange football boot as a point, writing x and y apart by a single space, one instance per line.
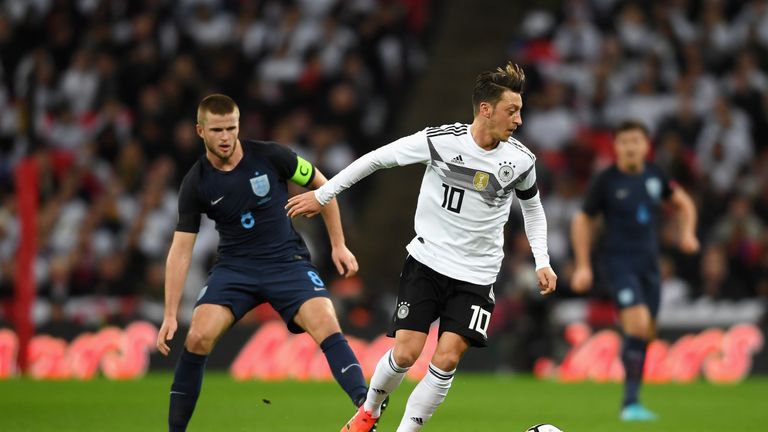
362 421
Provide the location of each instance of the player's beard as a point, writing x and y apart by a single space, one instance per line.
501 132
634 167
223 157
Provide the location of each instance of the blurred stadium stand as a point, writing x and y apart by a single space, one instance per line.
103 94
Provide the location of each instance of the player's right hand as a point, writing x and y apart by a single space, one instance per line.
547 280
303 205
167 330
689 244
581 280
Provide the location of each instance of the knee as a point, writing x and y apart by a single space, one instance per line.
637 322
318 318
405 356
199 343
446 360
321 327
325 323
639 330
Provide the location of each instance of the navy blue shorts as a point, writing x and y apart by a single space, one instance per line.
242 285
634 279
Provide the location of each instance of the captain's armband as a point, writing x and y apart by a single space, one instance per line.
304 173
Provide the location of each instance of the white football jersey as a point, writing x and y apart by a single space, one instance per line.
464 201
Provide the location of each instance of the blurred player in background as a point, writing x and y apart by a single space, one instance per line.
464 202
261 258
629 195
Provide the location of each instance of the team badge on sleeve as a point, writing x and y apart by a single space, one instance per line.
403 310
481 180
260 185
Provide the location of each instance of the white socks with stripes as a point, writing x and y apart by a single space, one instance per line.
385 380
426 397
424 400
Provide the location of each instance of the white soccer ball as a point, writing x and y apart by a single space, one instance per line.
543 428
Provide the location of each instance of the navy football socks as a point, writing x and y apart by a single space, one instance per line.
185 389
345 367
633 357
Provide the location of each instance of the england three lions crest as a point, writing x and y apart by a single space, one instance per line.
653 186
481 180
260 185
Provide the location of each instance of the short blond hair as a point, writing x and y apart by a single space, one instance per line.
216 104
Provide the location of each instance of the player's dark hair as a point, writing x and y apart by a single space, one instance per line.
630 125
218 104
490 85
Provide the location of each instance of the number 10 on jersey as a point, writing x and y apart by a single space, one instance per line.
452 198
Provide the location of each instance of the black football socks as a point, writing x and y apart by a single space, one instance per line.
185 389
345 367
633 357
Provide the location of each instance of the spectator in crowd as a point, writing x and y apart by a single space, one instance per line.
101 91
697 73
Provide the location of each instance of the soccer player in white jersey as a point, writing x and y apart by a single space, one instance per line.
455 257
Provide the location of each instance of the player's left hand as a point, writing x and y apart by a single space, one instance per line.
344 260
303 205
547 280
689 244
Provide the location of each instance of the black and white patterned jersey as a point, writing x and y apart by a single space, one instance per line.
464 201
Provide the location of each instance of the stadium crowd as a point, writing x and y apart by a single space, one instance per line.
694 72
103 94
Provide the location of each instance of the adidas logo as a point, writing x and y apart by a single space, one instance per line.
418 420
378 391
458 160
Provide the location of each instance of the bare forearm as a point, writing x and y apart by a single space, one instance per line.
581 238
332 219
688 215
176 268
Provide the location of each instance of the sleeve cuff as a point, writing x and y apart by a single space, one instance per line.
542 263
321 197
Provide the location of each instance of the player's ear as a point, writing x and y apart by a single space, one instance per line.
485 109
199 129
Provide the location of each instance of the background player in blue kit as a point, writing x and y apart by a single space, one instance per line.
629 195
261 258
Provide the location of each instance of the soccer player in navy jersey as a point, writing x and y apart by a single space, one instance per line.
241 185
629 195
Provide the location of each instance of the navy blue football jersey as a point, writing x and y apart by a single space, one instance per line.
631 206
247 203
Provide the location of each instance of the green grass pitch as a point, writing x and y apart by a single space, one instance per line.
475 403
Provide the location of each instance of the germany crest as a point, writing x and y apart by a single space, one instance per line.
506 173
